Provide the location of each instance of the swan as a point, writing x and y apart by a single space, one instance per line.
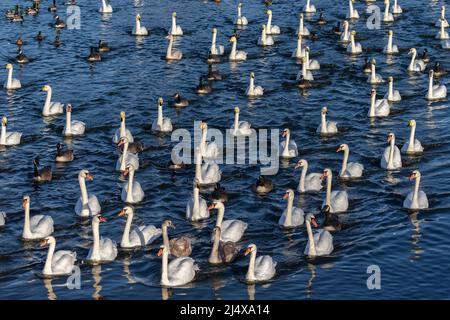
50 107
392 95
38 227
265 40
396 9
374 78
305 74
178 272
354 48
11 83
9 138
345 35
209 150
197 208
311 64
299 52
442 34
288 146
320 243
240 20
310 182
337 200
387 16
106 7
140 236
391 158
206 173
175 30
126 158
271 29
263 185
231 230
240 128
445 44
262 268
179 247
415 65
292 216
216 50
172 54
2 218
331 222
138 29
43 175
222 252
412 146
435 92
132 191
442 18
63 155
252 90
326 127
416 199
87 204
236 55
352 169
103 249
378 107
390 48
351 13
60 262
73 127
309 8
302 30
161 123
122 131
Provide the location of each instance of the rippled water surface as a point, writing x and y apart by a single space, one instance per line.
412 250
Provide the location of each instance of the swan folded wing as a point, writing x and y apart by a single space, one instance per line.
56 108
108 249
313 182
332 126
324 242
78 127
182 270
339 201
144 235
264 267
117 136
232 230
13 137
41 225
94 205
180 247
130 159
354 169
63 261
210 150
211 173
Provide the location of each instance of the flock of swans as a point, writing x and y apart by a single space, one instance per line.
181 268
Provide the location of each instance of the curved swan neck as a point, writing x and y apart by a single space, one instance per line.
344 161
48 261
301 185
84 193
413 58
220 215
312 245
48 100
169 48
126 232
130 187
214 257
251 266
165 267
165 237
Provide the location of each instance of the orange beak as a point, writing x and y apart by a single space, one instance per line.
90 177
122 213
212 206
160 252
286 196
323 176
24 203
102 219
126 172
339 149
43 243
247 251
283 134
314 222
412 176
121 142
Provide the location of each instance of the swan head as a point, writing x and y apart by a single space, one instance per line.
250 248
386 1
412 51
414 175
269 12
412 123
216 205
86 175
324 110
47 241
160 101
353 33
285 132
252 75
301 163
128 169
174 14
203 126
236 109
25 201
431 73
36 161
289 194
342 147
390 137
214 30
373 61
9 66
167 223
138 17
233 39
307 49
391 79
263 27
311 219
239 4
122 116
162 250
4 121
122 141
98 219
345 23
390 32
127 210
46 88
326 173
69 107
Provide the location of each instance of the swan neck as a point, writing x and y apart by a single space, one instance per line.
84 193
251 266
236 119
328 197
214 257
123 131
220 215
9 81
174 24
286 145
372 106
312 245
352 39
126 232
129 198
390 43
300 27
391 90
344 161
124 156
169 48
3 135
48 100
165 267
26 225
430 86
233 49
301 185
196 201
48 261
411 137
252 84
415 198
239 11
324 128
198 166
391 154
269 23
68 122
160 115
413 58
288 220
96 237
386 10
165 236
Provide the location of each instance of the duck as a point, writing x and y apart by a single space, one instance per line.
337 28
390 48
265 39
175 30
122 131
131 191
63 155
308 182
367 66
11 83
103 249
387 16
203 88
51 108
206 173
33 10
38 227
161 123
73 127
179 101
311 64
425 56
345 35
40 36
319 243
43 175
288 146
140 236
336 200
354 48
260 269
178 247
378 107
435 92
438 70
374 78
172 54
94 55
17 17
219 194
240 20
87 204
299 52
326 127
416 65
209 150
240 128
19 41
212 59
263 185
252 90
236 55
309 8
59 24
413 145
126 158
271 29
178 272
57 41
9 138
139 29
52 7
442 34
442 19
321 20
292 216
349 170
102 46
302 30
351 13
391 158
216 50
231 230
57 263
106 7
222 252
392 95
21 57
196 208
416 199
213 74
396 9
331 223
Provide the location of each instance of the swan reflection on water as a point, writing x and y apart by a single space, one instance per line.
96 271
48 285
416 250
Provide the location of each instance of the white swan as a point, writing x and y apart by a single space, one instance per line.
351 169
240 128
38 227
73 127
292 216
178 272
302 30
172 54
336 200
310 182
126 158
206 173
103 249
374 78
351 13
236 55
265 39
435 92
50 107
2 218
396 9
319 244
87 204
271 29
442 34
11 83
387 16
390 48
299 52
445 44
122 131
391 158
161 123
252 90
416 199
442 18
415 64
354 48
326 127
138 29
60 262
140 236
345 35
392 95
413 145
106 7
131 191
309 8
311 64
175 30
288 146
378 107
196 208
216 50
240 20
261 268
305 74
9 138
232 230
209 150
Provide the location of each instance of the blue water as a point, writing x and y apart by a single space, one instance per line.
410 249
